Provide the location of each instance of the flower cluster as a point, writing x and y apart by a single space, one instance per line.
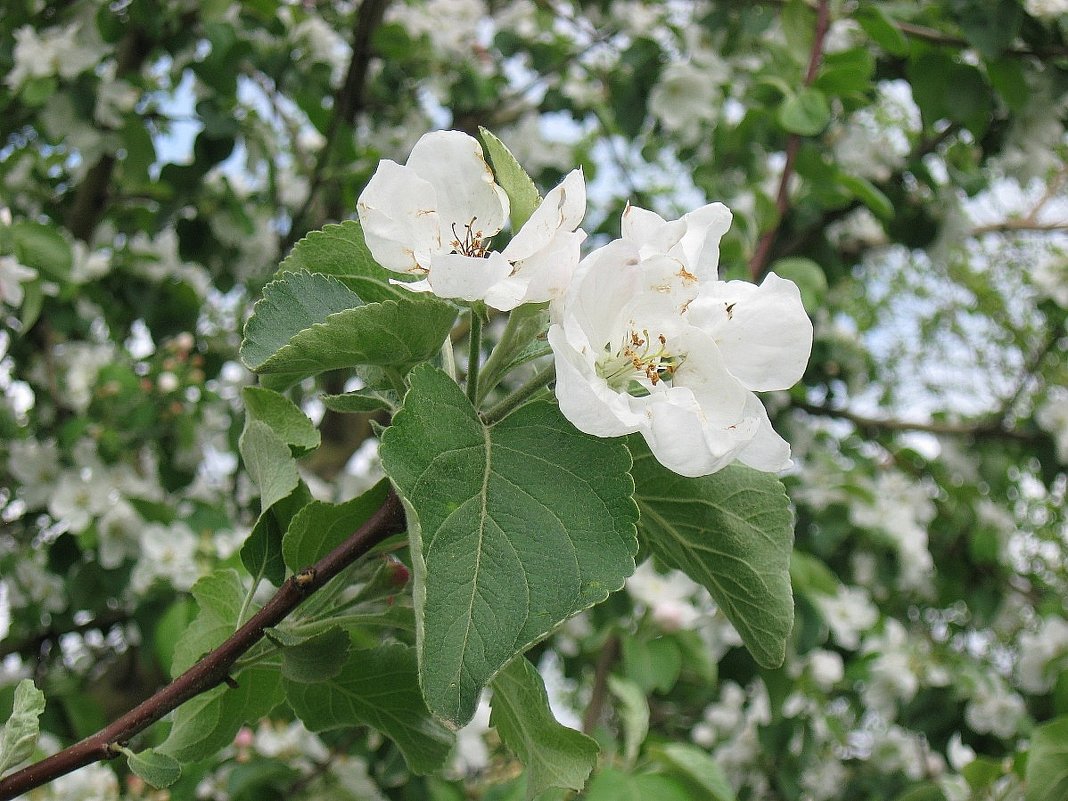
645 336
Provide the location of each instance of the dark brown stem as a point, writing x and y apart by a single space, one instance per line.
605 660
762 255
32 645
982 429
214 668
90 200
349 100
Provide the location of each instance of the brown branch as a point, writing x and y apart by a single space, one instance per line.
214 668
349 101
91 197
605 660
759 263
939 38
1018 225
984 429
32 645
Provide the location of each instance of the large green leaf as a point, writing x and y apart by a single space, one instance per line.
696 767
523 196
633 714
219 596
512 530
1047 763
554 755
19 735
159 770
207 723
731 532
320 527
262 552
283 416
376 688
307 324
340 251
269 462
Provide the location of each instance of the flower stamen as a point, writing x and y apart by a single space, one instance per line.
635 367
472 243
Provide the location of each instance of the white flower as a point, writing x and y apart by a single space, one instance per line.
995 709
826 668
1042 655
167 552
5 611
471 754
959 754
79 496
91 783
434 217
684 98
645 341
1052 416
668 597
1046 9
847 613
56 51
12 276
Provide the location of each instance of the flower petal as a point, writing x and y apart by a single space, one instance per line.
453 163
680 439
544 276
585 399
400 223
763 332
766 451
561 210
699 246
467 277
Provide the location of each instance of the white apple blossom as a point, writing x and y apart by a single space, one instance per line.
995 709
435 216
685 98
1052 416
646 340
1043 654
848 613
5 611
669 598
12 276
1046 9
167 552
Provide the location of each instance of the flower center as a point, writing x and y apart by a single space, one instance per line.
471 242
635 366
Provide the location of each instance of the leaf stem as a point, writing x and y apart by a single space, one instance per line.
527 391
474 354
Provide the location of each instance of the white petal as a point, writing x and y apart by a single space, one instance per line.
454 165
766 451
649 231
720 395
765 337
584 398
699 246
561 210
678 436
544 276
413 286
466 277
400 223
603 283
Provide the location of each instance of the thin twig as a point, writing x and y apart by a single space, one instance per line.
983 429
214 668
605 660
762 255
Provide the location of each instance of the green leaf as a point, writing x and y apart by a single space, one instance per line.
19 735
518 344
42 247
307 324
283 416
882 29
269 462
699 768
340 251
317 658
808 276
262 552
731 532
634 714
523 196
320 527
159 770
868 194
207 723
806 113
614 785
512 532
799 28
377 688
360 401
1047 763
219 596
652 664
290 304
554 755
